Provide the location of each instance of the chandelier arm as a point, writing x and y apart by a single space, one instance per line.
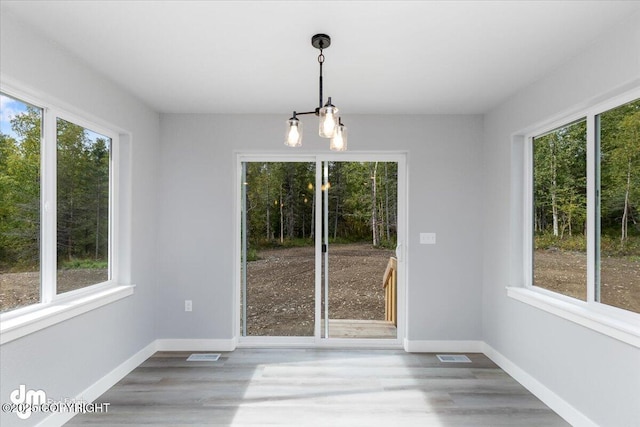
307 112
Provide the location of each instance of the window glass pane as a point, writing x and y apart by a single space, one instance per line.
560 210
619 236
82 207
20 135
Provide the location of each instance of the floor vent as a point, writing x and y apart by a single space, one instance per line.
453 358
203 357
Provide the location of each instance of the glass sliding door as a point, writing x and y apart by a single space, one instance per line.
278 252
360 218
319 240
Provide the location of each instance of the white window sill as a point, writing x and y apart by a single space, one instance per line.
623 328
17 325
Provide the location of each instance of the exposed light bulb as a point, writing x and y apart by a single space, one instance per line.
339 141
293 137
328 125
328 120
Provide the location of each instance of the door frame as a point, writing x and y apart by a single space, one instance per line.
401 252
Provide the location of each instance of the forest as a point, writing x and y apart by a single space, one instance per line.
82 168
281 207
560 184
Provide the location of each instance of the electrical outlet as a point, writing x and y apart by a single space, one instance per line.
188 305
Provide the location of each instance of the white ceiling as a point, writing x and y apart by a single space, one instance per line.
386 57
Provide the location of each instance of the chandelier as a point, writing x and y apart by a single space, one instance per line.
330 123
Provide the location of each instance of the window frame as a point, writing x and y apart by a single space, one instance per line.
615 322
52 307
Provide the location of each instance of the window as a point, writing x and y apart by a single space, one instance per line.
20 136
82 181
585 212
618 211
560 210
62 183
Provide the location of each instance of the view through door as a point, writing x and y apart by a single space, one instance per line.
359 236
278 252
355 218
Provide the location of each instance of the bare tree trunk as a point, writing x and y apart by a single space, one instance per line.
268 204
554 189
624 235
289 198
70 226
335 220
386 205
97 251
374 206
281 219
312 225
381 220
338 190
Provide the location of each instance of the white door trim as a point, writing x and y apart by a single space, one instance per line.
392 156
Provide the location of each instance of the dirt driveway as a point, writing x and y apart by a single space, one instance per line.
281 288
22 289
565 272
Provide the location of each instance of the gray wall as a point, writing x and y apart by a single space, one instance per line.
67 358
597 375
196 232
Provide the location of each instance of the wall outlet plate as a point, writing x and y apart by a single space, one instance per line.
188 305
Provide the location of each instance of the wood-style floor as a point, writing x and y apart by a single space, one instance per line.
317 387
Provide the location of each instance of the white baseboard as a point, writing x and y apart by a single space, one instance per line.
548 397
195 345
96 389
436 346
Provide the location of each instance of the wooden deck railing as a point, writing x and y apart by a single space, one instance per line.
390 285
